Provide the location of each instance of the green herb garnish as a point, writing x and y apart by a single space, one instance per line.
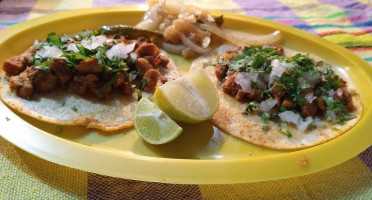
286 132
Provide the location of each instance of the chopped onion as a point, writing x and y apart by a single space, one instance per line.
278 69
72 47
193 46
254 77
49 52
242 79
133 55
94 42
308 76
318 122
267 104
120 50
339 92
261 83
304 83
310 97
303 124
331 114
331 93
292 117
289 116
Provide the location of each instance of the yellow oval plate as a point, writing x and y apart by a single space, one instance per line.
202 154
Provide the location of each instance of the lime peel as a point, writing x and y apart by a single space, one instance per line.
153 125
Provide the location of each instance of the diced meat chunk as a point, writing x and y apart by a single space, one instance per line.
82 84
151 77
240 96
255 95
126 88
229 86
143 65
346 98
14 65
160 61
43 81
147 49
221 71
59 68
321 104
96 89
288 104
120 81
308 109
89 66
22 84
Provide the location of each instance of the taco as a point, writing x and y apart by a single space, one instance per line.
275 98
89 78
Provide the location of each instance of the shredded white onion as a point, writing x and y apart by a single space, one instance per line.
173 48
268 104
120 50
192 45
242 79
48 52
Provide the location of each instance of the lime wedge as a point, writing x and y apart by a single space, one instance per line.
191 98
153 125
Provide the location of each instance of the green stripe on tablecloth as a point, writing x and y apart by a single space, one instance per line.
25 176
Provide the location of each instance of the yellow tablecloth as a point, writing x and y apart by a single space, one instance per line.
348 23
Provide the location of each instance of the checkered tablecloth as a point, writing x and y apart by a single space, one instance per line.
345 22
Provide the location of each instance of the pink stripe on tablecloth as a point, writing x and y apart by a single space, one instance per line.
97 3
19 13
272 8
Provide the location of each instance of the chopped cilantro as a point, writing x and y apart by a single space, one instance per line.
63 103
265 118
7 118
6 78
15 91
339 110
74 108
144 83
286 132
54 40
108 84
251 106
136 90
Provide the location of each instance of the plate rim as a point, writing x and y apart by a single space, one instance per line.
199 171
